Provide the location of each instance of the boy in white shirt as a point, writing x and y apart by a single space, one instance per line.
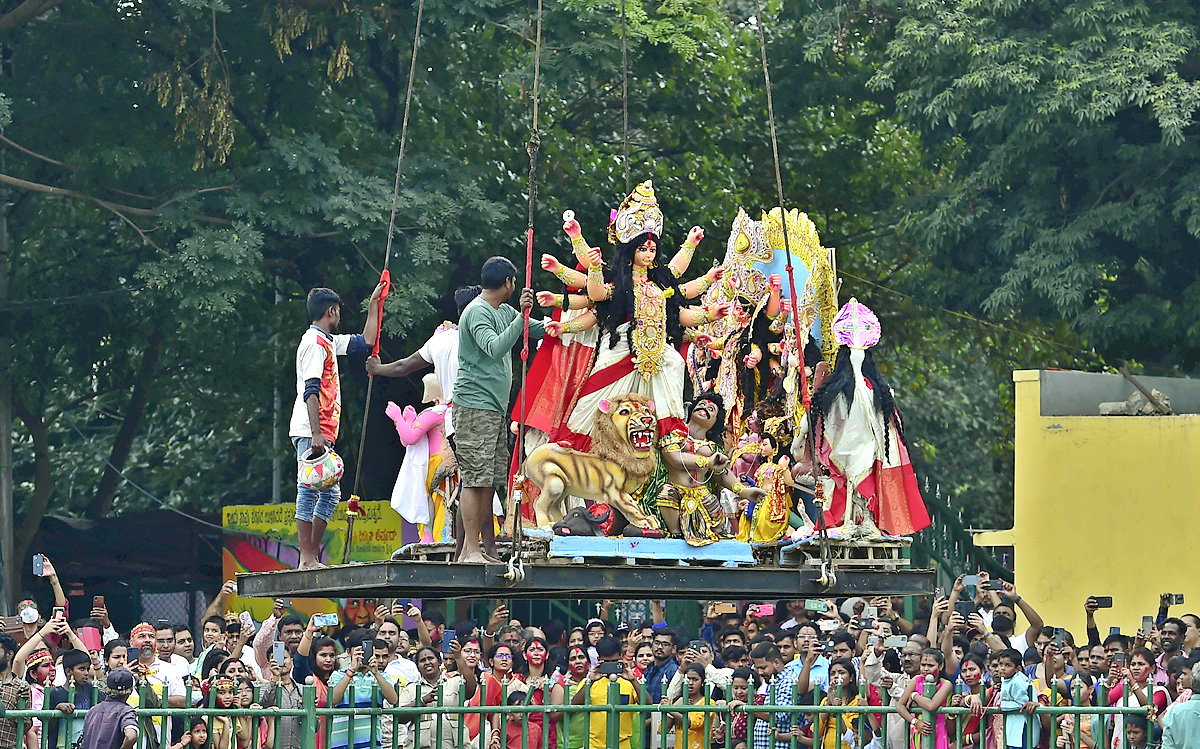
318 409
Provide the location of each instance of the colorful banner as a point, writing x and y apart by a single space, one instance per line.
378 532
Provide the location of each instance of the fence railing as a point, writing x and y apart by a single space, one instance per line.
950 545
439 720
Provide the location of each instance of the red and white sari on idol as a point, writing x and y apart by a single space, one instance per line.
651 368
852 449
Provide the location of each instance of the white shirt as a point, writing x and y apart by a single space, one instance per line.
441 350
402 670
314 362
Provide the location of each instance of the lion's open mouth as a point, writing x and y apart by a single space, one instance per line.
642 439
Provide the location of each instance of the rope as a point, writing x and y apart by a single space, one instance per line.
625 99
532 147
826 553
385 279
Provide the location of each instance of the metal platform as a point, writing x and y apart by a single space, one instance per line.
440 580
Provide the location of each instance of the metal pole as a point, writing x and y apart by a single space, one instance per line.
276 415
9 582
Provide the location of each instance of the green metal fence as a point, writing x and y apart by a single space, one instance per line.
441 721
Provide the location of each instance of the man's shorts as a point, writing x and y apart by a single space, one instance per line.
481 447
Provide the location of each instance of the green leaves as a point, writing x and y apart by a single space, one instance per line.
210 271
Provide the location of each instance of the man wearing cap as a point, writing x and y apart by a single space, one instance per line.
113 723
13 691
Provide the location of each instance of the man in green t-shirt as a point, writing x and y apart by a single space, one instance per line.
487 331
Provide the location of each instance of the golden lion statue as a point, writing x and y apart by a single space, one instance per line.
623 457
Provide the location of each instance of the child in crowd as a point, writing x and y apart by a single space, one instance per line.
1021 730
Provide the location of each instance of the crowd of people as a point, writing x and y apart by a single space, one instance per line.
722 685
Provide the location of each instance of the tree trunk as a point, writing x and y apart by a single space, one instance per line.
135 409
43 479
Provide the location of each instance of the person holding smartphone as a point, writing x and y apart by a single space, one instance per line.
610 669
42 567
371 689
434 685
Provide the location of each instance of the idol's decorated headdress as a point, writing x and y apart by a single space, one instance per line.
856 326
802 238
746 249
818 298
639 214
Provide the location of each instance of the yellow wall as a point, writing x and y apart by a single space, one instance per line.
1104 505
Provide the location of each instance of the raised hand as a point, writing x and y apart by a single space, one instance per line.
550 263
546 299
554 328
571 226
718 310
695 235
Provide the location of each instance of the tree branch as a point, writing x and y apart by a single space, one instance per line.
118 208
37 155
26 11
122 445
42 477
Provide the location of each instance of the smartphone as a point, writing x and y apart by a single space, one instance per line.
970 580
814 604
326 620
1147 625
447 638
368 647
827 646
966 608
873 640
403 603
57 611
994 585
287 602
895 641
696 645
97 602
611 668
1175 599
764 609
1114 631
724 608
871 612
1118 660
864 623
246 620
1102 602
1060 637
828 625
278 652
39 565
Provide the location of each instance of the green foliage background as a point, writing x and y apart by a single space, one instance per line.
1009 185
